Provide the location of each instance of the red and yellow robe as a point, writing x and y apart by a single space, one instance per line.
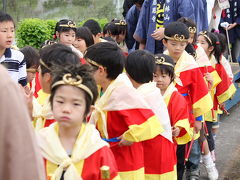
191 84
159 152
178 113
223 91
121 111
89 154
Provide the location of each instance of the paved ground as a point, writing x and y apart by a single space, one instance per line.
228 147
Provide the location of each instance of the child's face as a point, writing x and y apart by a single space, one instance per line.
204 44
162 80
69 106
68 37
80 44
45 81
31 73
6 34
175 48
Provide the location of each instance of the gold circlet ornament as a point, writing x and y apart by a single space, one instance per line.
177 37
73 81
192 30
204 34
121 23
70 24
162 61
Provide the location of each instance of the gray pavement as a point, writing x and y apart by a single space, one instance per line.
227 147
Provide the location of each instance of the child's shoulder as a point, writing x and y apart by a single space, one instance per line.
16 54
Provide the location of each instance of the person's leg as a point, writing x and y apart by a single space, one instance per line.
236 50
180 161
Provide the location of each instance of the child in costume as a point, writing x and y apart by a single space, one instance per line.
224 89
56 54
121 115
65 33
72 148
159 152
190 83
177 107
84 39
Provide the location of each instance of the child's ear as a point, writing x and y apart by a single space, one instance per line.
57 34
211 48
47 78
164 42
92 108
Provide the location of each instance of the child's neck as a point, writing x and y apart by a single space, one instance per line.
105 85
68 136
2 51
162 91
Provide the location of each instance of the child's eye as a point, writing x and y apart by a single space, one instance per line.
77 104
60 102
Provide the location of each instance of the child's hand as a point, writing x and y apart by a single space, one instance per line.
124 142
197 126
158 34
175 131
209 79
28 96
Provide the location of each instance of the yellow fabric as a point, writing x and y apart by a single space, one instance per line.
166 176
147 130
109 101
203 105
117 177
152 95
41 113
42 96
87 143
216 79
184 123
227 94
208 116
132 175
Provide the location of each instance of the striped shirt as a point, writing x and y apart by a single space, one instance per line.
14 61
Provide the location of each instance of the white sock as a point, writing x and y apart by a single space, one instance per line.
207 160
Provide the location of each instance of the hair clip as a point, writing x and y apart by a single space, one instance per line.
217 42
192 30
70 24
73 81
177 37
162 61
32 70
204 33
121 23
43 64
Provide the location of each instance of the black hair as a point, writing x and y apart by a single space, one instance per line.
87 80
109 55
140 66
105 29
57 54
223 41
191 50
176 28
66 28
85 34
214 42
140 2
4 17
31 56
93 26
117 27
166 69
189 23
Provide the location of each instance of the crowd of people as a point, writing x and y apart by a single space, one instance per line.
137 100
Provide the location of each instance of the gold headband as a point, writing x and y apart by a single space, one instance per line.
177 37
121 23
204 33
77 82
162 61
70 24
192 30
93 62
43 64
32 70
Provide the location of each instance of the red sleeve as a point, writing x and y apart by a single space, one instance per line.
92 165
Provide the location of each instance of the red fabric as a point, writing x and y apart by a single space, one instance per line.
159 155
48 122
128 158
37 85
195 86
177 109
92 165
83 61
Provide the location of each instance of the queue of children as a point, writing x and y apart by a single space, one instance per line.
101 113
